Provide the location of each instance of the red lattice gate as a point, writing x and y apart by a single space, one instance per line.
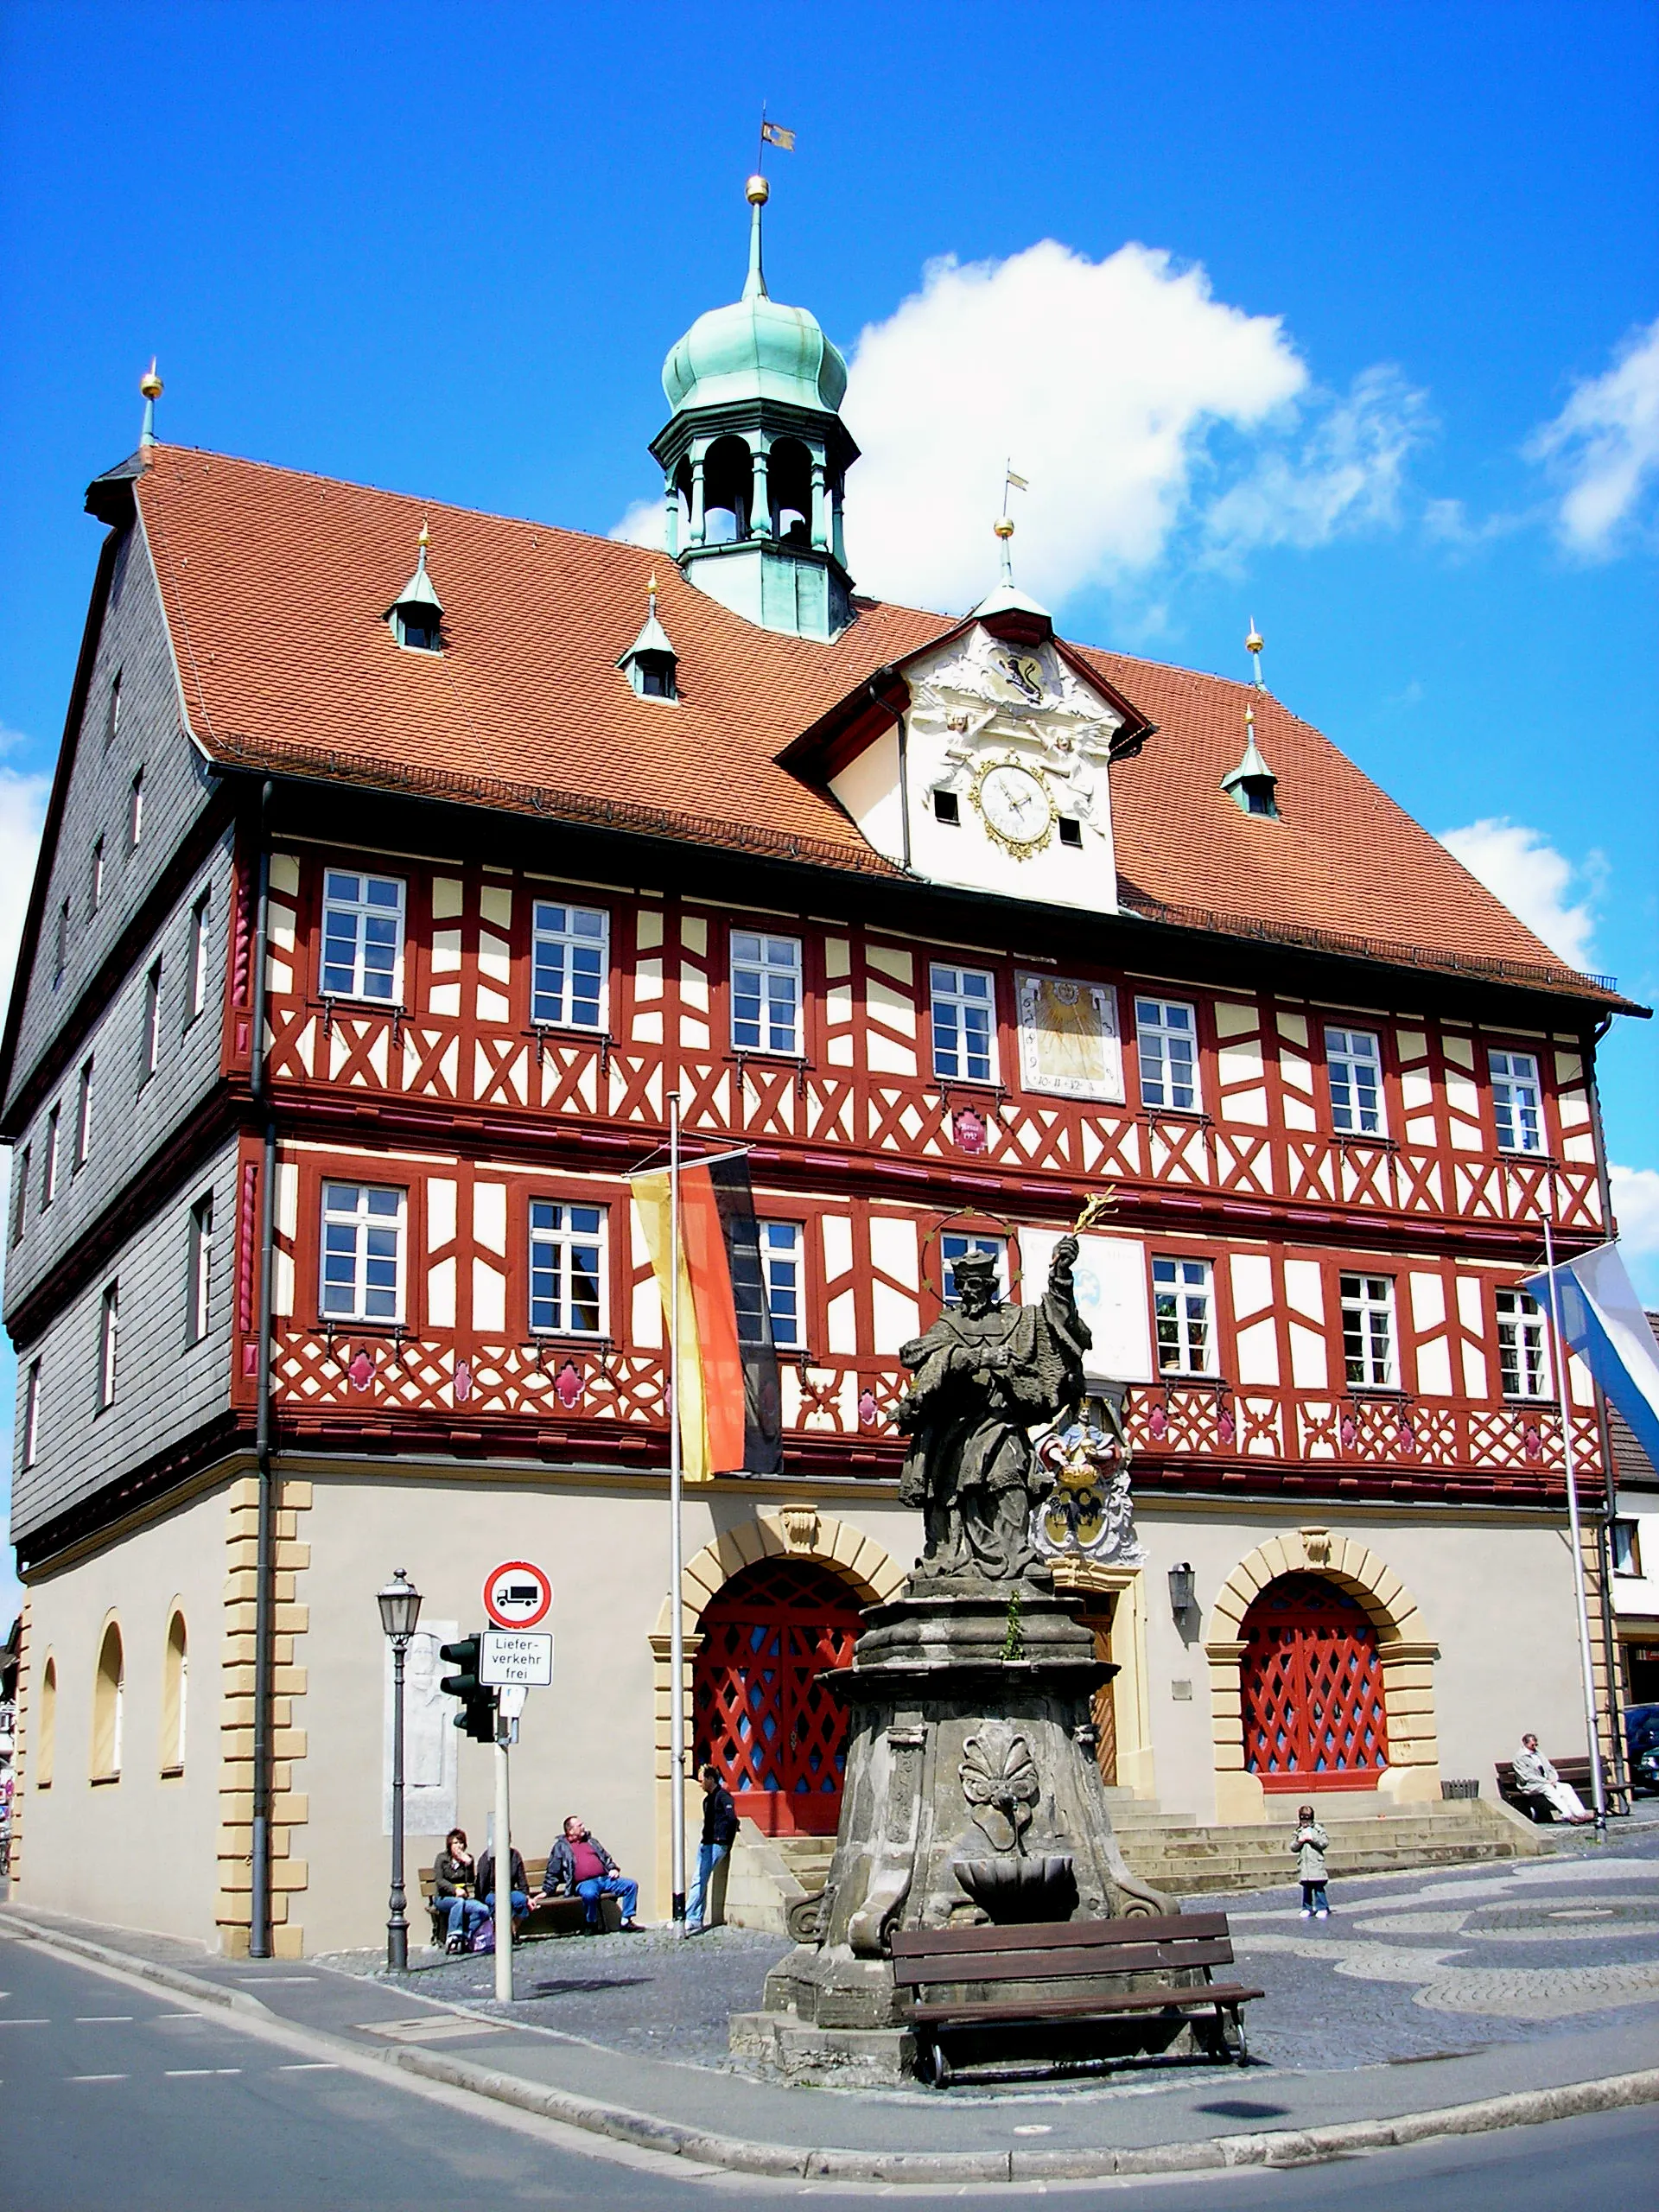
776 1735
1313 1689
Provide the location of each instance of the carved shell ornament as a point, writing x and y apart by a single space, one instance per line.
998 1780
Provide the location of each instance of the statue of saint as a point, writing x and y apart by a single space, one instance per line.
985 1373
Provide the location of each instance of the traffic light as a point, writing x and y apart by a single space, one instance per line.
477 1714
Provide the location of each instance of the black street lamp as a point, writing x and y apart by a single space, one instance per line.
400 1608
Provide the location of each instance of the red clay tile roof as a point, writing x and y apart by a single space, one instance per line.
275 583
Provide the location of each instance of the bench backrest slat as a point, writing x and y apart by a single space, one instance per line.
1058 1935
1059 1965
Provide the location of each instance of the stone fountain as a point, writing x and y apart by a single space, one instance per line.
971 1791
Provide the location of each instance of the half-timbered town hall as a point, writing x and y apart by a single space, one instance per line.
403 861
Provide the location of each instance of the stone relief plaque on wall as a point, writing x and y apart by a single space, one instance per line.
1069 1042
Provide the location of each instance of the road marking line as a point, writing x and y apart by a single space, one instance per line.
226 2069
309 2066
98 2077
186 2072
103 2020
25 2024
175 2016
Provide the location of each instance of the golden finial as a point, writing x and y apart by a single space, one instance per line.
1095 1209
150 384
652 587
1003 527
425 537
1254 643
757 191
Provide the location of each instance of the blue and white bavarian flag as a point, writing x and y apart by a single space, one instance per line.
1603 1321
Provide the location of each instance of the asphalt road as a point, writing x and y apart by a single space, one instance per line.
117 2096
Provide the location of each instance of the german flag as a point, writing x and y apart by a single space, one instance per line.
730 1419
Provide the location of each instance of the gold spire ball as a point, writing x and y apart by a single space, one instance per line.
150 384
757 192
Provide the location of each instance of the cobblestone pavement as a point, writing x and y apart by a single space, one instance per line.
1410 1968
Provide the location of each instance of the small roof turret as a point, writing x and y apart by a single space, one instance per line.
416 614
1252 785
651 663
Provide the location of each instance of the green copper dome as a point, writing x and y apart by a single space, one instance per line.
755 349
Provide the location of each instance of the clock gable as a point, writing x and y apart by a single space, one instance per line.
1005 776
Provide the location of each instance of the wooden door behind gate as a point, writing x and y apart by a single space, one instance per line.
1313 1689
775 1736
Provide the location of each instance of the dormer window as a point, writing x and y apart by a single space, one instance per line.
1252 786
651 664
416 614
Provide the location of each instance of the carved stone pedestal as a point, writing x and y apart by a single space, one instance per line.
970 1773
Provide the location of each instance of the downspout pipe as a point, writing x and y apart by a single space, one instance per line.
1609 1513
259 1944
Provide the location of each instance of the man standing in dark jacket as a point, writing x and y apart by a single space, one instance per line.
719 1834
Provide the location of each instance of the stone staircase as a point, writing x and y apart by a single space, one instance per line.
768 1875
1175 1853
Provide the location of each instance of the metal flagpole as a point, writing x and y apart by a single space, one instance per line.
1558 1354
677 1630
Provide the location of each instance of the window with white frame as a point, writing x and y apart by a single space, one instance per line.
1166 1031
1182 1303
19 1194
150 1043
1368 1331
570 965
781 1270
953 1247
1523 1345
1518 1106
61 957
109 1330
95 879
196 983
135 811
362 1253
32 1413
49 1163
1353 1060
362 935
964 1024
1627 1547
199 1280
84 1115
567 1269
765 992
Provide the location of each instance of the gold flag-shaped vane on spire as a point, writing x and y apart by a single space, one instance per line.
774 134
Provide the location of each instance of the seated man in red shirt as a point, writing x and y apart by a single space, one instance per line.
580 1863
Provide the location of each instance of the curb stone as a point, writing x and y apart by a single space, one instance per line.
643 2131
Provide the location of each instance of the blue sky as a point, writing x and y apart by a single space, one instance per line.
1348 323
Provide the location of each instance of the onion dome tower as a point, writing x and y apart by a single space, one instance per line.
755 457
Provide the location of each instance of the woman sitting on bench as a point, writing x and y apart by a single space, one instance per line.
454 1881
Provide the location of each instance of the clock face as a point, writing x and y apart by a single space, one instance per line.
1015 807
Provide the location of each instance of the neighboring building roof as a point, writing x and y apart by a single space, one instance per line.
274 584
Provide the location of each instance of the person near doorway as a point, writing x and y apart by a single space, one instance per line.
1535 1777
580 1863
454 1883
719 1834
1312 1844
519 1893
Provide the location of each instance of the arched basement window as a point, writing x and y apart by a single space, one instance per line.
175 1683
109 1695
45 1736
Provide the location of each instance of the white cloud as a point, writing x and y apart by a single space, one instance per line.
1636 1203
1521 868
22 809
1604 445
1143 410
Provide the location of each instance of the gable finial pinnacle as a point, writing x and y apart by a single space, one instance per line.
1252 646
152 387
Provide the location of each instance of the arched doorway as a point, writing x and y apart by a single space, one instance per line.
1312 1683
776 1737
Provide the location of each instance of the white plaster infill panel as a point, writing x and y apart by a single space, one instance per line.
1110 1283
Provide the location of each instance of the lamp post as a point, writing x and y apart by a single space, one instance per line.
400 1608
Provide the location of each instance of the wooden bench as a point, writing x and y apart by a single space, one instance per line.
563 1916
1575 1773
1047 2021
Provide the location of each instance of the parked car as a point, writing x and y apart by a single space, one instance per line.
1642 1742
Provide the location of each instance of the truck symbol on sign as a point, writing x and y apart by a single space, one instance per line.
517 1593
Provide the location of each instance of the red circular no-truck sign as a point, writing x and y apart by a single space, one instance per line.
516 1594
